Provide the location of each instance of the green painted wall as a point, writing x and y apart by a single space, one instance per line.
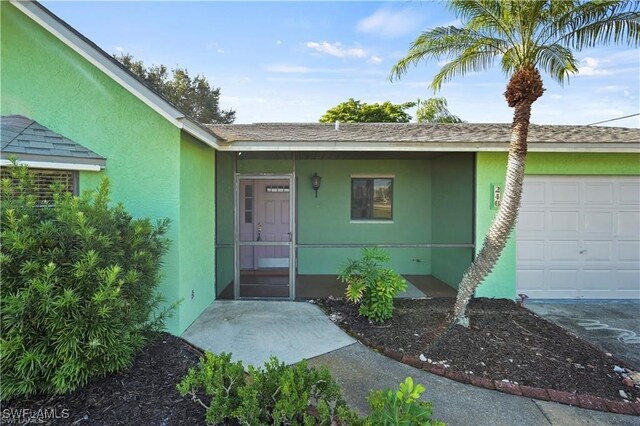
197 228
327 219
433 202
49 82
452 213
491 168
264 166
224 217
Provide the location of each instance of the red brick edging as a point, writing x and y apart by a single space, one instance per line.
579 400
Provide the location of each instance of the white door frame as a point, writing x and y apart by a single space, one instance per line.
236 231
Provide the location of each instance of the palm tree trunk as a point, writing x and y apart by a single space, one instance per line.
505 219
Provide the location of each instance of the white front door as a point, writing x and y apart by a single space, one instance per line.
579 237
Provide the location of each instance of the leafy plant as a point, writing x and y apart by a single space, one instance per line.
402 407
371 285
274 395
78 286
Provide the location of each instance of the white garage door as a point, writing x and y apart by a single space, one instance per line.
579 237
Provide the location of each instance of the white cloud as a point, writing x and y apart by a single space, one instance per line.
220 51
375 60
278 41
591 66
390 23
555 96
336 49
119 49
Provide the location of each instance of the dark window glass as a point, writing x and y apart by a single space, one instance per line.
382 196
371 198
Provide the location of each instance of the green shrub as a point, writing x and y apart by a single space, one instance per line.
401 408
371 285
274 395
78 284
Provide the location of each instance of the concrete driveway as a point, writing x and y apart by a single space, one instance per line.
613 325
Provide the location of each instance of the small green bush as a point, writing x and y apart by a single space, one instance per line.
402 407
371 285
78 284
274 395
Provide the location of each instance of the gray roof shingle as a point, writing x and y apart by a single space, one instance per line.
414 132
33 141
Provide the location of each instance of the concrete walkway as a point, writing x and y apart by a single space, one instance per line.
253 330
292 331
357 369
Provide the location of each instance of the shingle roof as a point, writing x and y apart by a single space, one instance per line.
30 140
414 132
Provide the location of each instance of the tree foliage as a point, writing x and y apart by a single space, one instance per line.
193 95
78 284
435 110
525 37
353 111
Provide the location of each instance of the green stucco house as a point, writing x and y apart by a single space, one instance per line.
271 210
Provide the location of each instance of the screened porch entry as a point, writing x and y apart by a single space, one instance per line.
264 237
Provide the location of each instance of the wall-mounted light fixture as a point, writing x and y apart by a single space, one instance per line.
315 182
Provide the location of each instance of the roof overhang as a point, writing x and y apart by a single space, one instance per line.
424 146
53 165
101 60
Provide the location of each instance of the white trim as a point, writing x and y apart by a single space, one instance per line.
372 176
425 146
55 166
97 58
371 221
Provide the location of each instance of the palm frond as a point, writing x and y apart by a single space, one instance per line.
538 33
557 61
593 23
480 58
445 43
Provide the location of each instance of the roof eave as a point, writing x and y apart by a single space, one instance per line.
36 162
101 60
266 145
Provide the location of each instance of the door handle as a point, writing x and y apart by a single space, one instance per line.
290 239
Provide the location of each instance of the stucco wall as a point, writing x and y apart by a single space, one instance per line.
433 203
224 220
491 169
327 219
47 81
197 228
452 212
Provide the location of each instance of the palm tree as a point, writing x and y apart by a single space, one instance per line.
526 36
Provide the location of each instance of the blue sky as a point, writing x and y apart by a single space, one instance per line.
291 61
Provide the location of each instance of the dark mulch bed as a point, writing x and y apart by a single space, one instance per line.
144 394
504 341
